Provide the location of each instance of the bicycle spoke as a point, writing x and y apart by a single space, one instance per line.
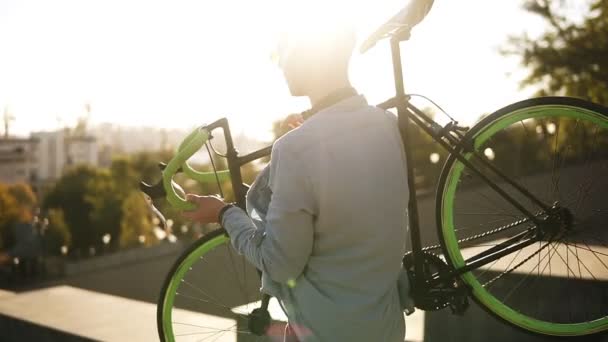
591 237
587 249
565 262
595 255
585 266
554 179
201 291
488 214
235 273
216 304
580 274
490 201
214 330
522 280
518 265
470 228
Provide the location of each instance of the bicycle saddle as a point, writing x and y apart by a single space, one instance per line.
406 19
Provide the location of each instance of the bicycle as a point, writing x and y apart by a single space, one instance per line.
502 222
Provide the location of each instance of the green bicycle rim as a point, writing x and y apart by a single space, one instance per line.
171 288
450 241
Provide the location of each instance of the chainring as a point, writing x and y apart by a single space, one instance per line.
439 296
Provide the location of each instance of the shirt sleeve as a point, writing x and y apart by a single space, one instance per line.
283 249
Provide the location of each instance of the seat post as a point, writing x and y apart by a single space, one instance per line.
403 121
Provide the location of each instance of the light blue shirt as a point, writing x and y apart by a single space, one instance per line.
327 224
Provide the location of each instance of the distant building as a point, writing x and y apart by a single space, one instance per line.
44 156
82 150
58 150
18 160
51 156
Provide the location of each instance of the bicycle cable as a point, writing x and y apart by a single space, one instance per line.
435 104
217 178
215 151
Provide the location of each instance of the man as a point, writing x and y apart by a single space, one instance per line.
333 226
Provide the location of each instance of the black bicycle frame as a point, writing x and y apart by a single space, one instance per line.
407 112
235 161
455 145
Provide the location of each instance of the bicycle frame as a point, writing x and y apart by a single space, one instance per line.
454 142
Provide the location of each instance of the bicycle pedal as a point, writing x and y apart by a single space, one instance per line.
259 321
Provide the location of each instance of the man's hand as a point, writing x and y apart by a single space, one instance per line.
292 121
207 208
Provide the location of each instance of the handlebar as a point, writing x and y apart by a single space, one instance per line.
173 192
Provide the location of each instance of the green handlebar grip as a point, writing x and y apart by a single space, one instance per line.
189 146
205 177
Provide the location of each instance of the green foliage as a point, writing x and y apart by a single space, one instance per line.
135 222
72 195
8 214
94 202
23 194
16 204
57 233
569 58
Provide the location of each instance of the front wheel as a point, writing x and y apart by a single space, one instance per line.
557 149
209 293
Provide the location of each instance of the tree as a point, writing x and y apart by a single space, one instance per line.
105 197
72 194
9 212
57 233
17 202
136 222
23 194
569 58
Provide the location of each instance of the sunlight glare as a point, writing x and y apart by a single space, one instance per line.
182 64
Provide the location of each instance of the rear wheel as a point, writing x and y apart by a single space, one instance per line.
556 148
209 293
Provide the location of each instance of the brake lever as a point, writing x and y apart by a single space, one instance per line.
162 166
156 212
157 191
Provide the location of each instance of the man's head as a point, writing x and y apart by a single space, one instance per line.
312 61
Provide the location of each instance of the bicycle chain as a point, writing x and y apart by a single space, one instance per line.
484 234
491 232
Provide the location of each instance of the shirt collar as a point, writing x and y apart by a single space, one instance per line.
350 104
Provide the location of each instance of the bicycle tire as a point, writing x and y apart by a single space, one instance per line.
202 296
463 232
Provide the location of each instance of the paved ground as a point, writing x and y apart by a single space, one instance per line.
6 294
90 315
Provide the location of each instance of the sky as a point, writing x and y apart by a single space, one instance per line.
183 63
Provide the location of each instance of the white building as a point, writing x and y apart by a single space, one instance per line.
18 160
57 150
51 156
82 150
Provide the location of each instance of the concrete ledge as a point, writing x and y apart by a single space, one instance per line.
66 313
17 330
6 294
